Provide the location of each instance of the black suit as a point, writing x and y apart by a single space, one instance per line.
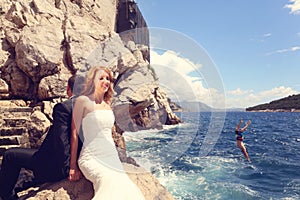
51 162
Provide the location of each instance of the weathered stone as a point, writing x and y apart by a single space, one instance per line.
48 41
47 9
3 86
38 51
148 184
83 189
5 131
20 13
63 190
12 33
37 128
13 104
53 86
14 122
13 140
6 51
81 37
43 42
5 5
20 83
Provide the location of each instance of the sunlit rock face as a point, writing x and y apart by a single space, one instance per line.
44 42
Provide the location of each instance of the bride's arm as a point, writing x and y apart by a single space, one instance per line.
75 173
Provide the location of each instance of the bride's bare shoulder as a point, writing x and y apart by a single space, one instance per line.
82 99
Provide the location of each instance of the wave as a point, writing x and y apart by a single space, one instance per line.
209 178
272 142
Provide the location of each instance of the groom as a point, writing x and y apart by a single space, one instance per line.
51 162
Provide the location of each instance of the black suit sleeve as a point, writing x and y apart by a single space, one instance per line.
62 117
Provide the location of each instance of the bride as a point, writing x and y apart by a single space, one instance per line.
98 160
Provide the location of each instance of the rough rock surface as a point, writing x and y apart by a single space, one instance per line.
42 43
83 189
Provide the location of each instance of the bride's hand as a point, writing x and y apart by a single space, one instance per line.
75 174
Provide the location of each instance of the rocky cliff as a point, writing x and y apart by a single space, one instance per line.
42 43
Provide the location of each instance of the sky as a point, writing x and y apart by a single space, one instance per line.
233 54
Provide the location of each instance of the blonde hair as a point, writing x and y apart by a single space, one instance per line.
89 87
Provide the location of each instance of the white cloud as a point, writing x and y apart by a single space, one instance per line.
174 76
241 99
295 48
172 60
267 35
294 6
262 38
238 91
291 49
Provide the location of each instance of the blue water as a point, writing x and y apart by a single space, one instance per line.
195 162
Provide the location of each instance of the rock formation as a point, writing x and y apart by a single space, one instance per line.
42 43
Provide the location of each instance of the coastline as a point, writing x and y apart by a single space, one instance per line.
275 110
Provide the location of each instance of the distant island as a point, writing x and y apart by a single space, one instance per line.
287 104
188 106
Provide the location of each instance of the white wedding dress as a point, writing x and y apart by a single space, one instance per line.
99 160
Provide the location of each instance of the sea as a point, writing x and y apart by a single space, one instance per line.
199 159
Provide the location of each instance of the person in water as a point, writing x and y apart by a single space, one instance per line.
239 137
